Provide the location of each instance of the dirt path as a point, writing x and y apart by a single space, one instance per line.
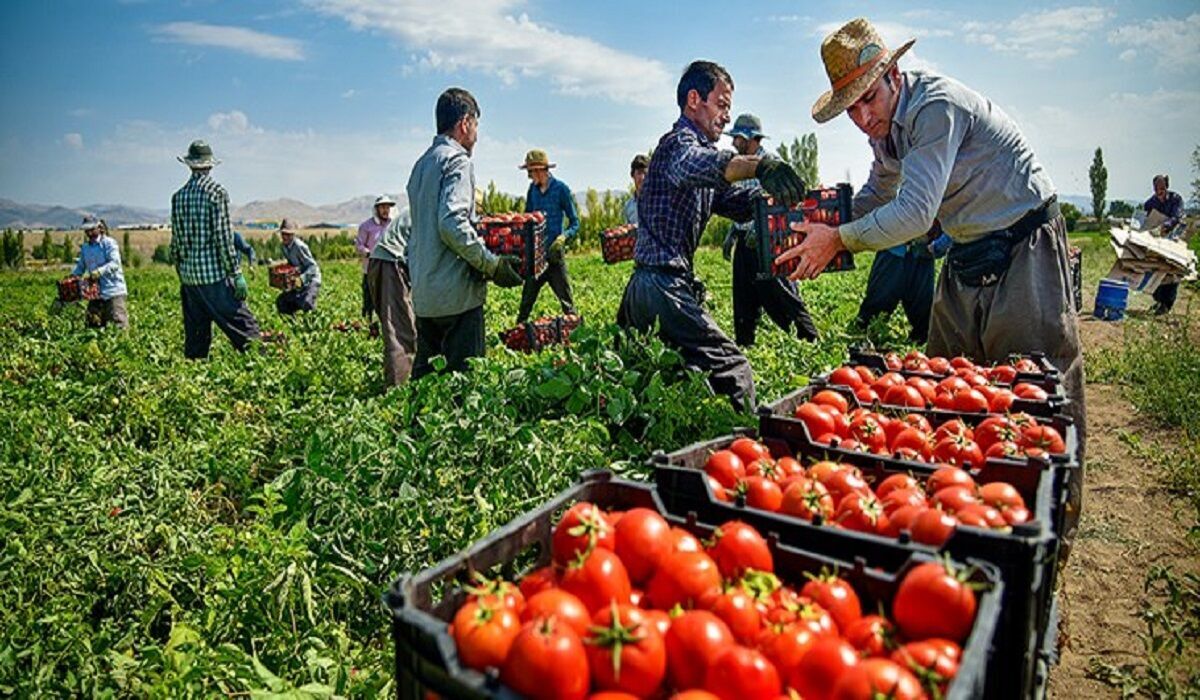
1129 524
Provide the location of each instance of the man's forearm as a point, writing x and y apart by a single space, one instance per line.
741 168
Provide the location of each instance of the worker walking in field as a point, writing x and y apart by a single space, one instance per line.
944 151
689 179
100 261
369 233
391 296
446 257
637 172
1170 205
751 296
553 198
212 286
901 275
300 257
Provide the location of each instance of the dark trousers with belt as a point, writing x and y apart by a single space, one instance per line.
906 281
778 297
303 299
656 298
560 282
206 304
457 338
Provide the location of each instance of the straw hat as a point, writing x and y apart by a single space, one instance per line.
287 226
855 56
537 158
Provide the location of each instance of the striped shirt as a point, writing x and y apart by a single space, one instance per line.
201 238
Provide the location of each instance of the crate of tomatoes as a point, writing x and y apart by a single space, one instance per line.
1033 368
603 589
284 277
772 228
518 234
75 288
532 336
617 244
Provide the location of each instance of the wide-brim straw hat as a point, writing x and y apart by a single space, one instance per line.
855 56
199 155
537 158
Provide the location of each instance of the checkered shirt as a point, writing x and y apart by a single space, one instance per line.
201 238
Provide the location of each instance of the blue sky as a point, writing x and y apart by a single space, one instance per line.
322 100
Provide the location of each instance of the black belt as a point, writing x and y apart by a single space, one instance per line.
982 262
699 289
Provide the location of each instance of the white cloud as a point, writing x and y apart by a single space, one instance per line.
1174 42
1042 36
233 122
81 112
73 141
1128 55
349 93
234 38
489 36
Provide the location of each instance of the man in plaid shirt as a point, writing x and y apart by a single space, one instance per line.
688 181
212 285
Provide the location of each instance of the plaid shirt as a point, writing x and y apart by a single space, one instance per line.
684 186
201 238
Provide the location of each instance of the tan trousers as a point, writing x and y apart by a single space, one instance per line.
1030 309
392 298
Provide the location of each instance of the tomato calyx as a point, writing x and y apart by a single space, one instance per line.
961 574
488 587
615 636
759 585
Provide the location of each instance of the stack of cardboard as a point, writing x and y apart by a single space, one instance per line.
1145 259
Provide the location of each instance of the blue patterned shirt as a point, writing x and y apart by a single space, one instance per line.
684 186
104 257
556 202
201 238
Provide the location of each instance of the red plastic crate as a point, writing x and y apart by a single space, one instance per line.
617 244
285 277
830 205
518 234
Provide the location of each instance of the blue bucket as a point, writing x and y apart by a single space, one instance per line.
1111 299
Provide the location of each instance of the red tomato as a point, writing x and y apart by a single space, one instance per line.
717 489
948 476
788 467
737 547
1001 495
1001 401
861 513
736 609
904 395
934 601
625 651
960 450
1016 516
893 362
1031 392
916 364
740 673
873 678
547 661
497 591
952 385
685 579
819 669
581 529
816 418
597 580
762 493
953 428
1005 449
749 450
845 482
684 541
865 374
870 635
903 517
1043 437
643 537
726 467
784 644
484 632
693 641
694 694
933 527
933 659
835 595
828 397
866 395
821 471
939 365
869 432
952 498
563 606
887 380
1002 374
898 498
927 388
960 362
912 439
807 499
918 421
970 401
980 515
845 376
895 482
537 581
994 429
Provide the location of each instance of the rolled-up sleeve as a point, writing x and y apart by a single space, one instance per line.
924 172
454 217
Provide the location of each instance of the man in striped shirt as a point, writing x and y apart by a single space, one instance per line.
213 288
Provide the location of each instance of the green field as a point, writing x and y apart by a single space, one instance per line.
175 528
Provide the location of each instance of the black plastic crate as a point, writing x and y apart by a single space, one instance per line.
1026 557
521 235
771 228
426 658
876 362
1075 257
618 244
533 336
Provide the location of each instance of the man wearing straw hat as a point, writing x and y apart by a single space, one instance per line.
944 151
300 257
212 286
553 198
752 296
369 232
100 260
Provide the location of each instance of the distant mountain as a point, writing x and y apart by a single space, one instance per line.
349 213
18 215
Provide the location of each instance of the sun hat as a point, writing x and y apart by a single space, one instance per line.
855 56
384 199
537 158
199 155
90 222
747 126
287 226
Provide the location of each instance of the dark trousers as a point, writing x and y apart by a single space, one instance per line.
778 297
907 281
302 299
556 275
368 306
666 301
206 304
1166 294
457 338
101 312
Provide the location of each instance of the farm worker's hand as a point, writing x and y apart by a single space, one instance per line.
555 253
241 290
93 275
780 181
506 273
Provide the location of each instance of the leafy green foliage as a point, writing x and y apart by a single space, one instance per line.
801 154
1120 209
1071 214
1098 178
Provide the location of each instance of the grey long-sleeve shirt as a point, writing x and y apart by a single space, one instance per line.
299 256
447 260
951 155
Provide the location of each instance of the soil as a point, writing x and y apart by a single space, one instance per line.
1129 524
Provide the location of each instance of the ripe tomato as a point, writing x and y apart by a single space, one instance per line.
902 518
870 635
693 641
828 397
953 498
819 670
581 529
1016 516
740 673
835 595
912 439
1031 392
1042 437
1002 374
643 538
547 660
694 694
939 365
567 608
1001 495
845 376
898 498
861 513
625 651
845 482
873 678
807 499
737 547
933 600
726 467
684 541
784 644
788 467
1001 401
904 395
497 592
918 421
953 428
866 395
816 418
685 579
865 374
948 476
537 581
952 385
933 527
749 450
959 450
1005 449
717 489
889 379
893 361
484 632
980 515
868 431
933 659
736 609
597 580
895 482
961 362
762 493
995 429
970 401
765 467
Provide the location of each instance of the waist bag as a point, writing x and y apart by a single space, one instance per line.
981 263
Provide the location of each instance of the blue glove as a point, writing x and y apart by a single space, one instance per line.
940 246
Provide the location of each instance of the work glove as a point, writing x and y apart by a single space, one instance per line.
506 272
93 275
727 246
555 253
241 290
780 181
